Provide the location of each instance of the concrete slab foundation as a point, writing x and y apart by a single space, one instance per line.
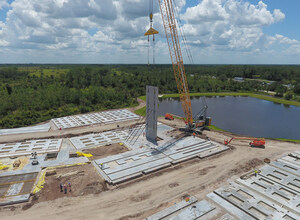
16 188
94 118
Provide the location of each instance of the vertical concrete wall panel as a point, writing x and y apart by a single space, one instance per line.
151 113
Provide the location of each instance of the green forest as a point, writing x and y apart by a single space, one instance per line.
30 94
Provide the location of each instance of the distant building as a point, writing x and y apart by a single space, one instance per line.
238 79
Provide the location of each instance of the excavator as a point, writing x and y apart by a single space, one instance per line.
256 142
193 124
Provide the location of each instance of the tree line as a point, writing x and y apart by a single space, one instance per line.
28 99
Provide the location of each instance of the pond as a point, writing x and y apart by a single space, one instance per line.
244 115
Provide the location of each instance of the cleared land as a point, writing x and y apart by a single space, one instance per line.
140 198
144 197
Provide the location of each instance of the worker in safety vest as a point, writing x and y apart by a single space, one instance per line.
255 172
194 134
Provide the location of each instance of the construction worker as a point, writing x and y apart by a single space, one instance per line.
101 165
70 187
194 134
255 172
61 187
65 188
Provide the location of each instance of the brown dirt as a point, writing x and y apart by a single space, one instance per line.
104 151
87 181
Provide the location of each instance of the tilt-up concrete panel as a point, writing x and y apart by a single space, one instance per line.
287 167
200 209
254 204
27 147
151 113
107 117
283 196
172 209
284 178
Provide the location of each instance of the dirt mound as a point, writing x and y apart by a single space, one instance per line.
205 170
245 167
104 151
141 197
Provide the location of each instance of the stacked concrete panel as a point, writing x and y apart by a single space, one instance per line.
94 118
27 147
38 128
140 161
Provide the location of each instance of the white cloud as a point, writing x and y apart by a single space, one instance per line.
206 11
230 24
285 40
294 50
112 30
3 3
278 15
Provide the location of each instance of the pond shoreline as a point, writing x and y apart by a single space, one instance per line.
253 95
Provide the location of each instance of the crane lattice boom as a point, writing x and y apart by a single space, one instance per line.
169 21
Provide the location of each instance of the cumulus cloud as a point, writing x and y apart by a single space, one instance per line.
285 40
230 24
113 29
294 49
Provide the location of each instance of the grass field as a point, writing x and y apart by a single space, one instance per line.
141 111
215 128
258 96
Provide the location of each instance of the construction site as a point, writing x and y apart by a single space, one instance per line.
123 166
116 164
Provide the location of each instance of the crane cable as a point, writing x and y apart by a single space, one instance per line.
149 43
150 11
182 34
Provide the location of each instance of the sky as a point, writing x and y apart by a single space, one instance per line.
112 31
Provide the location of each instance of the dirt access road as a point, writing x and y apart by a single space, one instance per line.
141 198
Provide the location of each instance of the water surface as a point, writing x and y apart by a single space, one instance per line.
244 115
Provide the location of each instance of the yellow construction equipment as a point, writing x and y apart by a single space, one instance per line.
169 21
